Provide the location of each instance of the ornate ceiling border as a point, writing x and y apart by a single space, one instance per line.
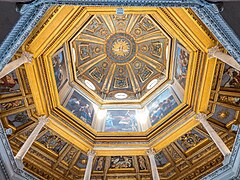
33 12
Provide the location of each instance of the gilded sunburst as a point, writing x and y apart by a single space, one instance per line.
121 47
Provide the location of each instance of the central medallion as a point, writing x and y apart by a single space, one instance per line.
121 47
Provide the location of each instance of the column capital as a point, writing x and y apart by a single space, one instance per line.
91 153
201 116
43 119
27 57
212 51
151 152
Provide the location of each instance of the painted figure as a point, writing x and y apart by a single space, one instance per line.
231 78
86 112
121 121
100 164
9 84
81 108
142 164
121 162
18 119
10 105
58 70
161 106
182 58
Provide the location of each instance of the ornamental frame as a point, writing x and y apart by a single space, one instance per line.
34 11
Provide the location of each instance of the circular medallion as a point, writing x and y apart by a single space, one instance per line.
137 65
121 47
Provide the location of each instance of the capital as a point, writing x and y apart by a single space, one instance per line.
150 152
43 119
212 51
27 57
201 116
91 153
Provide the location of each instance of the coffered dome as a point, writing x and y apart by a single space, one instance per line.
121 86
119 71
120 57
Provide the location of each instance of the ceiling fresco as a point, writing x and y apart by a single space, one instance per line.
86 108
121 62
111 82
121 54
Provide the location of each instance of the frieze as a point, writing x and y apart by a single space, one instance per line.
121 162
70 155
38 171
43 25
232 100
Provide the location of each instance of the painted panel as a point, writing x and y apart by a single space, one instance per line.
190 140
121 121
11 105
99 164
224 114
232 100
181 65
18 119
230 78
9 84
60 68
118 162
82 161
161 159
52 142
163 104
81 107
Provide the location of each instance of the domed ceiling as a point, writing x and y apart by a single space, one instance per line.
119 71
83 57
120 57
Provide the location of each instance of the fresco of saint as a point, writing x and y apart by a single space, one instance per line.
181 65
121 121
230 78
163 104
59 66
9 84
81 107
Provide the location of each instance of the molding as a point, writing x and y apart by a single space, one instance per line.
20 32
33 12
7 161
3 169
